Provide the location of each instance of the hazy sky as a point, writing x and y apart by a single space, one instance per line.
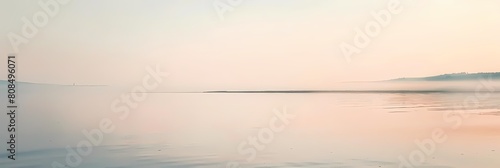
260 44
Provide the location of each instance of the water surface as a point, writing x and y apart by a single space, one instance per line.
205 130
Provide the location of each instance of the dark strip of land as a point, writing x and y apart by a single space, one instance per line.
341 91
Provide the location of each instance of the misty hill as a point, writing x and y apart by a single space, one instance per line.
455 77
4 82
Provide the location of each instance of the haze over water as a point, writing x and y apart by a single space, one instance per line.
204 130
235 67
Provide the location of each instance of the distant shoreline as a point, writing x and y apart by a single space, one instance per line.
348 91
31 83
463 76
320 91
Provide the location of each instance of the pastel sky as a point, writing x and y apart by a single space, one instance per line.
260 44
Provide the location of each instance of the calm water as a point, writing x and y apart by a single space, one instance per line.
206 130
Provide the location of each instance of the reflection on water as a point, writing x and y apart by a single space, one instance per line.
204 130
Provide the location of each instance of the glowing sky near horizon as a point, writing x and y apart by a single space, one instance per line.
260 44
